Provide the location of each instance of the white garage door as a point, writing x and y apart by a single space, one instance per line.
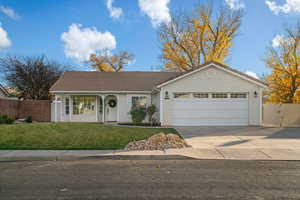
209 109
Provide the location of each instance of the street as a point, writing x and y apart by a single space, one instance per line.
149 178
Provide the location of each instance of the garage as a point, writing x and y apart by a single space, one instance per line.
210 109
212 95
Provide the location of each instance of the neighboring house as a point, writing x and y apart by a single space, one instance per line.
3 92
211 95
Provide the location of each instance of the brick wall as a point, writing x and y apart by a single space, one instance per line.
39 110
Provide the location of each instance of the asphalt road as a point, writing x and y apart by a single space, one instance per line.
154 178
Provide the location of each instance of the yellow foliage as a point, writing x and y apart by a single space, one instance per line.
199 39
110 63
284 61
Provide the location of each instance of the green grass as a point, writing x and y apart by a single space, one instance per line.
59 136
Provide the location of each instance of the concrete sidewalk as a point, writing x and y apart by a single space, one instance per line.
209 153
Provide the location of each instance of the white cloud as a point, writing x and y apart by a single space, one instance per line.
80 42
113 11
252 74
288 7
235 4
9 12
277 40
4 40
156 10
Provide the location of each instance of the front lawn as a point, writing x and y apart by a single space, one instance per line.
57 136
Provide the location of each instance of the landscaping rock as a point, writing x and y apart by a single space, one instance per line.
158 141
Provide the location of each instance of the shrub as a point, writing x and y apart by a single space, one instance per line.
138 114
4 119
151 110
28 119
10 120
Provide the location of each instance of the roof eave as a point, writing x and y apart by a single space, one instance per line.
220 66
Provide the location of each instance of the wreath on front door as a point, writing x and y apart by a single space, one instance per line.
112 103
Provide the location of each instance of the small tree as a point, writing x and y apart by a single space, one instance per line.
138 114
151 110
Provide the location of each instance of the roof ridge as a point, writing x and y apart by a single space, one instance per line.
125 71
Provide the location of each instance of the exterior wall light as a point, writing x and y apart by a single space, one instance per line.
255 94
167 95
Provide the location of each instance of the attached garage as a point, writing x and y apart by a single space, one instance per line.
213 109
211 95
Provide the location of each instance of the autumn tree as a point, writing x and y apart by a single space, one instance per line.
107 62
284 61
31 77
190 40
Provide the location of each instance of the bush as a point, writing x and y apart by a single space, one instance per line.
28 119
151 110
4 119
10 120
138 114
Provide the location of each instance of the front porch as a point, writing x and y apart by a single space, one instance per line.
86 108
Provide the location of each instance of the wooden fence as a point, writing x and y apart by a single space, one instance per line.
281 115
39 110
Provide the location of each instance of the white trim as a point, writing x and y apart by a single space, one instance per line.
101 92
103 108
260 107
161 107
118 108
97 109
70 106
61 109
55 110
207 66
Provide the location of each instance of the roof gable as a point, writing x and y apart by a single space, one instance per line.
219 66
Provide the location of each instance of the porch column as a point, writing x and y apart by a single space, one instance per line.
55 109
103 108
97 109
118 108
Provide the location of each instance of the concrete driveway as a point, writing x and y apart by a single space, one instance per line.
244 142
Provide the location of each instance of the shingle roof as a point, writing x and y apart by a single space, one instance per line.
110 81
123 81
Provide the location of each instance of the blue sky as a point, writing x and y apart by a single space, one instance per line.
67 30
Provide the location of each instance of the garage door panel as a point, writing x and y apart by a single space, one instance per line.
194 114
211 105
221 112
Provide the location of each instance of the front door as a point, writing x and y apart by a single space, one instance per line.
111 109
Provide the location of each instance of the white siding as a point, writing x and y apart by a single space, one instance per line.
124 106
213 79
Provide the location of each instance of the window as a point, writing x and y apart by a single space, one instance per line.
219 95
201 95
182 95
139 102
83 104
238 95
67 104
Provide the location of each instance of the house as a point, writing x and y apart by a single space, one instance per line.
3 92
211 95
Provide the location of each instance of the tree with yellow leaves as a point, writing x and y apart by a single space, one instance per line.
107 62
188 41
284 61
